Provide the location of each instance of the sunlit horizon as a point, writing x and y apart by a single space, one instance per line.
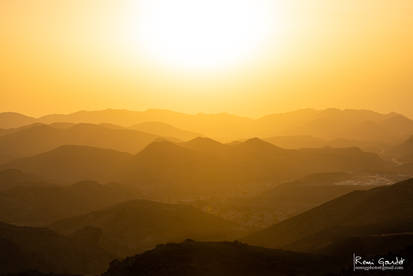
254 58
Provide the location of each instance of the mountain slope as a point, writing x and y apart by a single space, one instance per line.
10 178
285 200
134 226
206 145
403 152
363 125
68 164
357 213
296 142
43 250
37 205
305 141
39 138
165 130
195 169
203 167
13 120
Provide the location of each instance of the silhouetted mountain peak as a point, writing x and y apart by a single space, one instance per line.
396 117
13 120
71 163
203 140
161 129
13 114
258 144
205 144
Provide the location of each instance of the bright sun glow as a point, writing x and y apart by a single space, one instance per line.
208 34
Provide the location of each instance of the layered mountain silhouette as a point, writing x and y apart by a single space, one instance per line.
165 130
39 138
134 226
13 120
205 167
312 188
71 163
379 211
198 168
41 249
286 200
206 145
344 124
4 131
36 204
207 124
305 141
327 124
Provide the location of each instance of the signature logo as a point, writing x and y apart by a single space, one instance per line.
381 263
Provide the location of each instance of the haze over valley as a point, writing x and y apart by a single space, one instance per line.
206 138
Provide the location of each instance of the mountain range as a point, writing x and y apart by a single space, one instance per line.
197 168
72 163
167 193
203 166
360 125
165 130
39 138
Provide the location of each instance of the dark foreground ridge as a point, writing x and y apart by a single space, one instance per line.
191 258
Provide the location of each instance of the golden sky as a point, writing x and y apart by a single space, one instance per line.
248 57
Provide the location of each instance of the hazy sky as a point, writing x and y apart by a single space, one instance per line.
249 57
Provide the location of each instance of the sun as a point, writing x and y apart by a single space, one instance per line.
207 34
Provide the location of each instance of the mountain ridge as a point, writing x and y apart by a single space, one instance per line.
134 226
365 124
362 210
164 166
